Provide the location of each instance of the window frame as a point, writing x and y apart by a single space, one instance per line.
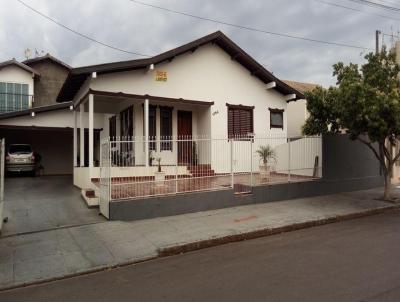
276 111
152 127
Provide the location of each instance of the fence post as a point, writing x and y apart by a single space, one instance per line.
232 181
176 164
251 163
109 176
289 173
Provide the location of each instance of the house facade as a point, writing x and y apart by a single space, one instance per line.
208 88
29 112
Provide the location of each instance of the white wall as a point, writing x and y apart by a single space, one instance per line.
296 114
15 74
208 74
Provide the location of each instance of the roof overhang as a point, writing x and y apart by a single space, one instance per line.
141 97
35 110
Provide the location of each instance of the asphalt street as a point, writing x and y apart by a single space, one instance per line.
356 260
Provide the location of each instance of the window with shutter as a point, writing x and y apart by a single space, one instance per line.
240 120
166 128
276 118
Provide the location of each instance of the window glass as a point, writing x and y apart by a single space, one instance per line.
276 119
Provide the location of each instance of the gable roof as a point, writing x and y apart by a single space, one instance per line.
46 57
77 76
300 86
20 65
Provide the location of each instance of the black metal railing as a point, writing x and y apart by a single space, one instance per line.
15 101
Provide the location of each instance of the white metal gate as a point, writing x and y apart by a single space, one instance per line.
105 179
242 165
2 155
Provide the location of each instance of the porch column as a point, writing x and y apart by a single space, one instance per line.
146 131
75 140
91 136
82 135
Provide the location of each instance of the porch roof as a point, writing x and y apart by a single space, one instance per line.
142 97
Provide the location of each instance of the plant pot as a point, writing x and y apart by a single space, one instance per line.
159 178
265 171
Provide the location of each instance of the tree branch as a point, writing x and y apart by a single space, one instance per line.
369 145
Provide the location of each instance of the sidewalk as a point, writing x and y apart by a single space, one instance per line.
69 251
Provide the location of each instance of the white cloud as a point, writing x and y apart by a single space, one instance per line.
150 31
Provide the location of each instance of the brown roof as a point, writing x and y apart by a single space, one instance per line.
77 76
46 57
40 109
20 65
302 87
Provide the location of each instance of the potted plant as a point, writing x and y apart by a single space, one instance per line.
265 153
151 158
159 175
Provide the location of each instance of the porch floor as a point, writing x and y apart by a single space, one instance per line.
127 188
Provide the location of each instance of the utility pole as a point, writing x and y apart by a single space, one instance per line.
377 33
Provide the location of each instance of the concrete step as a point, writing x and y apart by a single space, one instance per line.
90 197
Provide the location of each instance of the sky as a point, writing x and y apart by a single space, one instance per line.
146 30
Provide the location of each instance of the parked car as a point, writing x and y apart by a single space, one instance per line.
20 158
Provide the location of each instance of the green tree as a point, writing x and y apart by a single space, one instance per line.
365 104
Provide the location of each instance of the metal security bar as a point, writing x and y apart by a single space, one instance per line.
14 101
135 167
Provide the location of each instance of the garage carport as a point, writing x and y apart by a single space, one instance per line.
53 145
40 203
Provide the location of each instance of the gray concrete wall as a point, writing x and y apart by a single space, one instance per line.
347 166
47 87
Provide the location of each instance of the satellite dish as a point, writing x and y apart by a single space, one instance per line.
27 53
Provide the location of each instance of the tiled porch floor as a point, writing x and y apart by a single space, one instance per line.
125 188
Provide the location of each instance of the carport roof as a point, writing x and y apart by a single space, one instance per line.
40 109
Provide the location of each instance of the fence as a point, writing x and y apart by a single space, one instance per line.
140 167
2 156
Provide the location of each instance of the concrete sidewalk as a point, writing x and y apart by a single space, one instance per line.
65 252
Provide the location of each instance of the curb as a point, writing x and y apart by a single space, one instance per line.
189 247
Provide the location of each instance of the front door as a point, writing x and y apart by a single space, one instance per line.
184 137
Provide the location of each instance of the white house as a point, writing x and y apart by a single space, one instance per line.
182 107
208 87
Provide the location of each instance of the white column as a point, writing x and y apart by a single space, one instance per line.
146 131
91 136
75 140
82 135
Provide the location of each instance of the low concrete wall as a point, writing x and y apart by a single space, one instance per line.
347 166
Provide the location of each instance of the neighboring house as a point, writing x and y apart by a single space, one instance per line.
53 73
16 86
297 112
30 114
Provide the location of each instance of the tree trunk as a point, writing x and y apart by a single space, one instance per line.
387 189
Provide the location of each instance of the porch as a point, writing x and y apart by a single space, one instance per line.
149 121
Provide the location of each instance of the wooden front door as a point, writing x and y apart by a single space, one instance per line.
184 137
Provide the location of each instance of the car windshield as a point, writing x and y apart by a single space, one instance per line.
20 149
